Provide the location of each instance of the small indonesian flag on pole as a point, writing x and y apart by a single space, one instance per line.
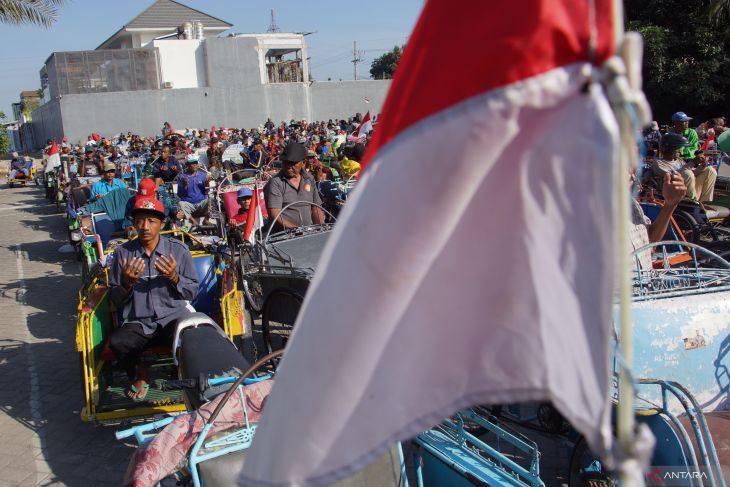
54 159
366 126
707 142
254 219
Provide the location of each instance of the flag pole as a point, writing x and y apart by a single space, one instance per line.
625 412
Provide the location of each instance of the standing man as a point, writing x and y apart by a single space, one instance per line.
292 184
191 188
152 279
165 168
108 183
680 122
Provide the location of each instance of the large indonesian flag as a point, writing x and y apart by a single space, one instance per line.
474 263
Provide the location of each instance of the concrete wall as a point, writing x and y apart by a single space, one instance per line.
342 99
47 124
182 63
234 96
232 61
239 106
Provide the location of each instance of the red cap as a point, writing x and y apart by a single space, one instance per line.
147 188
149 205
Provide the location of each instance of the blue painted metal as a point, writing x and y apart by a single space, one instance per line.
452 456
685 339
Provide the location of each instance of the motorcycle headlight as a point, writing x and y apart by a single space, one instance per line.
77 236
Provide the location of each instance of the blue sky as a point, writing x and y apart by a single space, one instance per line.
376 25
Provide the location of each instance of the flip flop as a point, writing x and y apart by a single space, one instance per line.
145 388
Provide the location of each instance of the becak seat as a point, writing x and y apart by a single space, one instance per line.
231 206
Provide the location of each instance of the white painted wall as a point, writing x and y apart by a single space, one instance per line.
182 62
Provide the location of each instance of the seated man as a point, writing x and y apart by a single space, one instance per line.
235 223
165 168
192 190
152 280
148 189
243 198
18 166
642 231
290 185
108 183
669 161
88 165
705 177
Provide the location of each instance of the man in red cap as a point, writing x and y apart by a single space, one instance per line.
148 189
152 280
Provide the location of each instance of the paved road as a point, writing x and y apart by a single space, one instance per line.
42 438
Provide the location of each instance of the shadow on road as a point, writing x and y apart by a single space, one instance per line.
40 381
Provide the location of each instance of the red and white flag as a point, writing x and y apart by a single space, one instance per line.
475 257
254 218
706 144
365 127
54 158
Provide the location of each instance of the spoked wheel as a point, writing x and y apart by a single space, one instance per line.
687 224
254 291
278 317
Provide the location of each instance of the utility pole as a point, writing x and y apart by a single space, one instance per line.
356 57
272 26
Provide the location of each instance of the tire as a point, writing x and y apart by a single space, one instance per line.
278 316
688 225
580 474
253 290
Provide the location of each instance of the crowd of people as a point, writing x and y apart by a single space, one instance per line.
678 167
296 156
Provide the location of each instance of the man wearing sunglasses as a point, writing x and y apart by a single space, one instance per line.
293 184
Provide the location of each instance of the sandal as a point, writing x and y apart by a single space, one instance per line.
144 389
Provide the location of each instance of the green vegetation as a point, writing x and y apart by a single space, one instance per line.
39 12
4 139
686 55
383 67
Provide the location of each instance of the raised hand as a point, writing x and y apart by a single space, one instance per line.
673 188
167 266
131 270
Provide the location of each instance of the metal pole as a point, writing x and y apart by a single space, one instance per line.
625 413
354 57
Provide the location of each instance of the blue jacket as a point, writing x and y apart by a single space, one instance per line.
101 188
196 189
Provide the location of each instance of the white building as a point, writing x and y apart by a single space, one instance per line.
166 65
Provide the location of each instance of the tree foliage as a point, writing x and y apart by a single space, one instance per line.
383 67
4 139
39 12
686 56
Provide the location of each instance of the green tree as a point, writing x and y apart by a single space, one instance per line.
27 107
383 67
686 59
39 12
4 139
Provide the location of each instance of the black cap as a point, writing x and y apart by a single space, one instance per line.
294 152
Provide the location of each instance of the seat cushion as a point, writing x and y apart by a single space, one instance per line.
208 297
715 211
222 471
384 472
205 351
